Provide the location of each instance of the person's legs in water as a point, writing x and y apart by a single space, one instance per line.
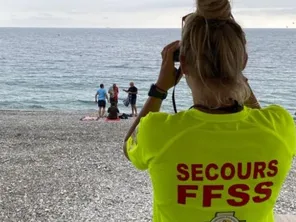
134 108
132 105
103 108
100 108
103 111
102 105
99 111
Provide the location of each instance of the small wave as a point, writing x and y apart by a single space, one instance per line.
15 83
85 101
146 67
6 103
20 106
118 66
269 67
125 66
36 107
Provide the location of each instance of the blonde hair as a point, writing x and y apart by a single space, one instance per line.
214 46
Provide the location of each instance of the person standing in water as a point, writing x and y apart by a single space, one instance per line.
100 98
113 92
132 92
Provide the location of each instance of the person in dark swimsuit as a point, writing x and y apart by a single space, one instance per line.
132 92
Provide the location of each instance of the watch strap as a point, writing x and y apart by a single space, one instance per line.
156 92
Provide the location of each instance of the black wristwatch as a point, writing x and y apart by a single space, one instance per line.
157 92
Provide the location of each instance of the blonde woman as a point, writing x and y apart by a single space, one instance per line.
226 158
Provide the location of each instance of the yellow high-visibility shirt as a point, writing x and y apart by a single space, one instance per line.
215 167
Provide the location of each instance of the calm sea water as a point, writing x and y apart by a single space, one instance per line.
60 69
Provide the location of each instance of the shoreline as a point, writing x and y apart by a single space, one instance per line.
72 110
55 167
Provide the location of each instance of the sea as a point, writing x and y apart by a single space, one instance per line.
61 68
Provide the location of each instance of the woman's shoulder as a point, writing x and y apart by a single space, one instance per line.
163 119
275 114
161 126
155 117
277 110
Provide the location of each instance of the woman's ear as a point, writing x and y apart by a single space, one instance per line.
183 64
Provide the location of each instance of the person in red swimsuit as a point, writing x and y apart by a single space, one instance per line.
116 92
113 91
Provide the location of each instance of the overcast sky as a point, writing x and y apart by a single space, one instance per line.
136 13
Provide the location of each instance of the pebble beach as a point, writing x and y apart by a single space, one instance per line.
54 167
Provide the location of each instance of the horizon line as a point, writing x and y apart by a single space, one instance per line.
68 27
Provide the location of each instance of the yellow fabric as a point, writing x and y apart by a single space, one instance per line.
214 168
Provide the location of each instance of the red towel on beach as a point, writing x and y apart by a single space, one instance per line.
112 120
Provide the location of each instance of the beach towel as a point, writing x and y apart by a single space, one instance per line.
89 118
112 120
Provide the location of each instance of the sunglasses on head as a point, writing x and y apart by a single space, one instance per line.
184 19
177 52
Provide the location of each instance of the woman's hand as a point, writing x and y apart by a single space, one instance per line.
167 75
